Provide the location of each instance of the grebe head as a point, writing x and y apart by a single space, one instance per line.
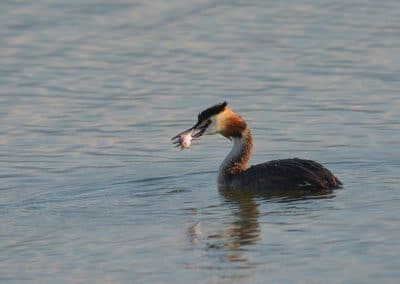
216 119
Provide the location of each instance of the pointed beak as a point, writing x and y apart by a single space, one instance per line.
199 129
196 131
183 133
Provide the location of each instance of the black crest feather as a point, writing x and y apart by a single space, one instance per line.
216 109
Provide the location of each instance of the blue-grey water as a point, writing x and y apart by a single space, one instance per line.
92 190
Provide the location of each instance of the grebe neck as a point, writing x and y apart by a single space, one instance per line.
237 159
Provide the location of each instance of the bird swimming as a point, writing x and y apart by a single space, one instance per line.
234 173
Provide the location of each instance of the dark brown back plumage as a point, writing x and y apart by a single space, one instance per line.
288 174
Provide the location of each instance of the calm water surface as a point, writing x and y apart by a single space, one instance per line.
92 191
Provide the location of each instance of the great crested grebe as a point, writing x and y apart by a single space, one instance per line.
286 174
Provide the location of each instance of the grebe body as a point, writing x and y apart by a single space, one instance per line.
234 173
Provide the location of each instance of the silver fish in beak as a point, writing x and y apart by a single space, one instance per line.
183 139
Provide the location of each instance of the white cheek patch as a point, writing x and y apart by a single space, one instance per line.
212 128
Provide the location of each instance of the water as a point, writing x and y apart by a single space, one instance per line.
92 191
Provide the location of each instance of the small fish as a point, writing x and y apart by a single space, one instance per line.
183 139
186 141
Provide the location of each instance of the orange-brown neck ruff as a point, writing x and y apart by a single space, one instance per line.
232 124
